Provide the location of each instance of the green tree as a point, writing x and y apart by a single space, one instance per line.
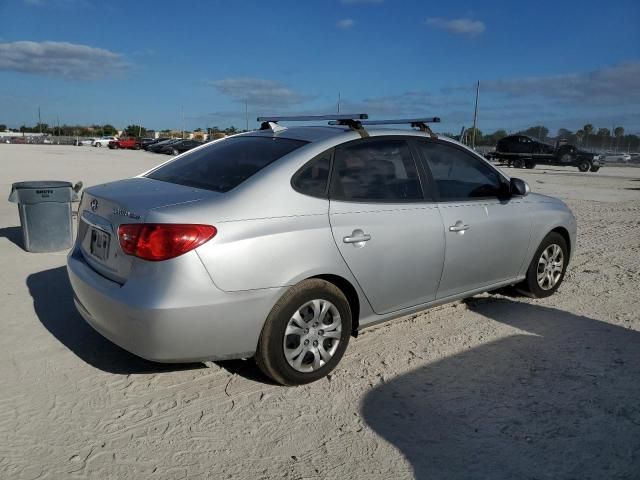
564 133
539 131
3 127
135 131
108 129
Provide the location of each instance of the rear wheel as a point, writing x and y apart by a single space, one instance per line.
305 334
584 165
530 164
594 169
518 163
98 144
175 151
547 269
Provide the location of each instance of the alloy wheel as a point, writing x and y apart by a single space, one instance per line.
550 265
312 335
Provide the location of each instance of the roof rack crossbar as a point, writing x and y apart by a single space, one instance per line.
419 123
402 121
312 118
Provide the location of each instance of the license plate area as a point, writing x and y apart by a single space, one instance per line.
99 244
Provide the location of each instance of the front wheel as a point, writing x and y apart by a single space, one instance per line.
546 270
584 165
175 151
530 164
305 334
518 163
594 169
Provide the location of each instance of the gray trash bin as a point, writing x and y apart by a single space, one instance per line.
45 214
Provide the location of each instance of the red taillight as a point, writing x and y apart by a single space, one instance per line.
162 241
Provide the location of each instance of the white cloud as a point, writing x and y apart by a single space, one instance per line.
345 23
458 26
259 92
617 85
60 59
416 102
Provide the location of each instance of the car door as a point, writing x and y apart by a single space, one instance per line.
388 233
487 231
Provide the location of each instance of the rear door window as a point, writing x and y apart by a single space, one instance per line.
226 164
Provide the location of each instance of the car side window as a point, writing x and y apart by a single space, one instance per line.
375 170
313 177
458 175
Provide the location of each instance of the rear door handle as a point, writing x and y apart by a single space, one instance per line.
459 227
357 236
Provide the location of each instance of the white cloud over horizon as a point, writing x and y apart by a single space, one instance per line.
259 92
611 85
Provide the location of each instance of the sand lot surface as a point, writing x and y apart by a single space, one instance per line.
498 386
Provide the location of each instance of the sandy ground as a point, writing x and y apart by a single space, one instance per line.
493 387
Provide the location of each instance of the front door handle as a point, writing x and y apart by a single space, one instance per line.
357 236
459 227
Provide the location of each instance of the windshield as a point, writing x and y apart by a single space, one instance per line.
224 165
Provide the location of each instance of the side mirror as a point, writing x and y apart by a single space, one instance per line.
519 187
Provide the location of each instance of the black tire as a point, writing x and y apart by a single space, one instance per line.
584 165
594 169
530 285
530 164
270 355
175 151
518 163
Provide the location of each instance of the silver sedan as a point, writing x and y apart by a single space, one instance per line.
280 244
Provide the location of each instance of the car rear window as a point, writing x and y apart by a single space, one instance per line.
224 165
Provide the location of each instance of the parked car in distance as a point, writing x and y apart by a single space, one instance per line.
179 147
617 157
281 243
84 142
523 151
103 141
146 145
146 141
156 147
131 143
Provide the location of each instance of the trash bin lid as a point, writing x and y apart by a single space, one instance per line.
40 184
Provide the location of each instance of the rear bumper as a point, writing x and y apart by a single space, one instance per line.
171 319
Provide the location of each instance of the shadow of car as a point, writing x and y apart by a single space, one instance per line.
557 399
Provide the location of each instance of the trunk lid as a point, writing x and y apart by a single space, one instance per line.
105 207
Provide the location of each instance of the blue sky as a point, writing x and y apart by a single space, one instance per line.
561 64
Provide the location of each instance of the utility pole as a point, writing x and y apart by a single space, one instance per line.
182 113
39 120
246 113
475 117
338 102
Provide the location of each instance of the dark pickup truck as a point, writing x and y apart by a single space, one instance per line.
522 151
